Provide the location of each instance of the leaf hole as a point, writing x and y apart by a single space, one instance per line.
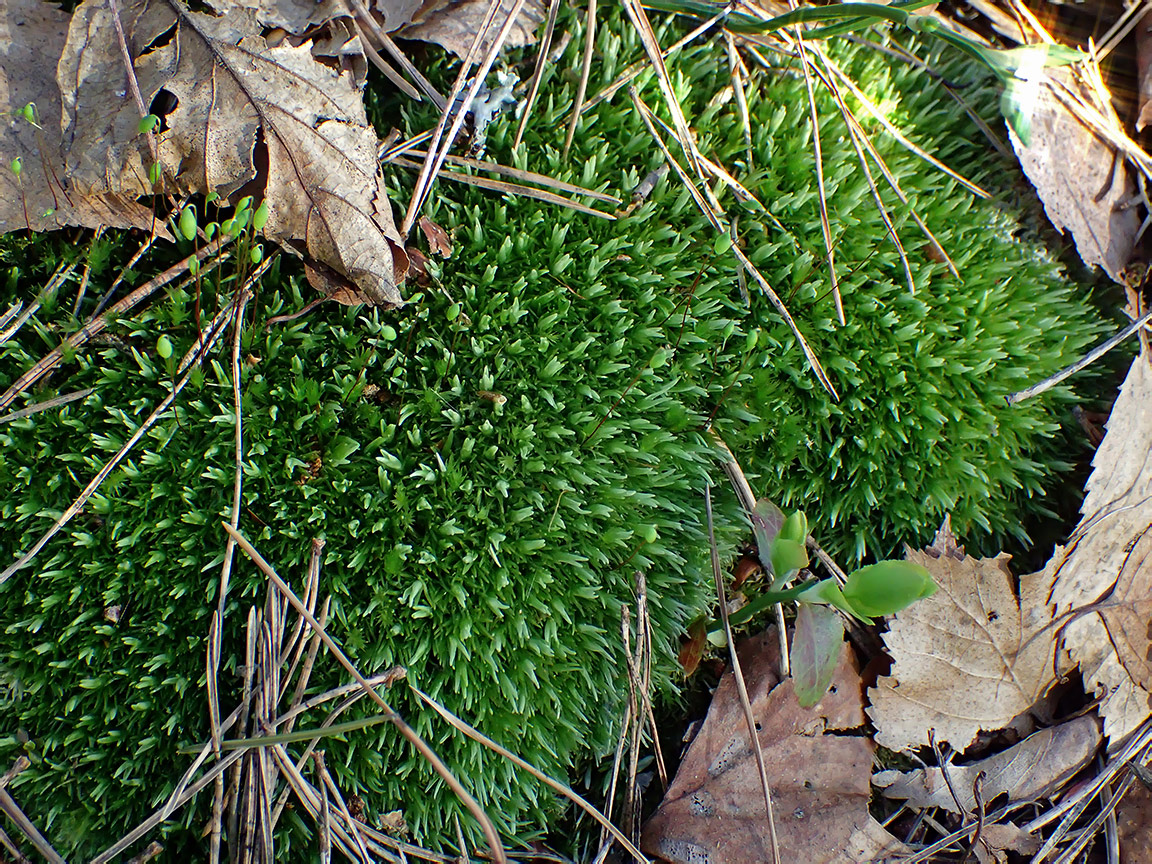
992 616
159 42
163 104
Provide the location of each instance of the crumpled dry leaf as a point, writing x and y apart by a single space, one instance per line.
453 25
239 104
972 656
714 810
1108 561
1034 768
1079 179
31 31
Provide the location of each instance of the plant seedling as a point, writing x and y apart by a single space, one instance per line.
869 592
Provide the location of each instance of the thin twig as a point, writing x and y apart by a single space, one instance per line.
738 675
479 736
11 809
1088 359
585 73
538 72
48 404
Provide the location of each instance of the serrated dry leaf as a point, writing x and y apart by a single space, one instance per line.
1107 562
453 25
972 656
1079 178
243 109
1036 767
32 34
714 809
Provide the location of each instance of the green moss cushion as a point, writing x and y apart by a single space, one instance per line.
491 464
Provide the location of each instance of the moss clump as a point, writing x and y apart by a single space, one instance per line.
488 546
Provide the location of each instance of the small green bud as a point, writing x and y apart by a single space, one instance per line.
211 196
164 347
155 173
660 358
886 588
256 253
188 222
795 527
260 218
722 243
210 230
17 166
453 312
228 226
244 204
148 122
788 556
28 112
648 533
193 266
388 332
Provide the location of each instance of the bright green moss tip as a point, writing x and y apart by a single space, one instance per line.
491 464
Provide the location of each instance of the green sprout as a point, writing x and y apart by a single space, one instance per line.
875 591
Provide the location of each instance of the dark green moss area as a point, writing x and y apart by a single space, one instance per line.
491 464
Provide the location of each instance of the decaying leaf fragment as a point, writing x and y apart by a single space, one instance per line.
1107 565
973 656
32 35
1078 175
1036 767
714 809
453 24
240 105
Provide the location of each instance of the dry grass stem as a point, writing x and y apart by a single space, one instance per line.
109 466
491 837
62 273
523 176
98 323
157 817
538 72
896 134
11 809
643 27
555 785
514 189
738 675
818 159
441 144
629 75
1085 361
585 72
813 361
48 404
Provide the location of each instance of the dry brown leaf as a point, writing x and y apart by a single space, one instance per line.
1134 825
972 656
32 35
1144 70
439 243
714 809
453 25
1034 768
240 106
1107 561
1080 179
996 841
